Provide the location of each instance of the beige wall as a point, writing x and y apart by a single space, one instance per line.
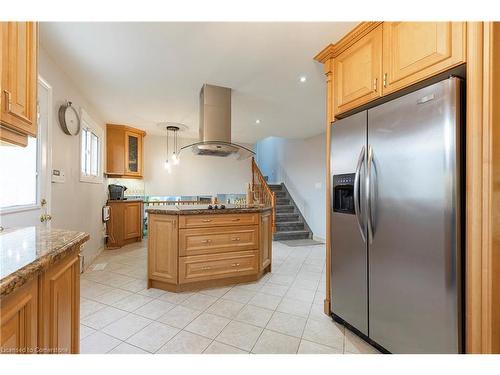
196 175
75 205
301 165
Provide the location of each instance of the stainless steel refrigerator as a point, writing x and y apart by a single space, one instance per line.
396 221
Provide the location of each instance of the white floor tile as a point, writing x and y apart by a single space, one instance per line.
207 325
185 343
175 298
355 345
98 343
220 348
103 317
239 295
85 331
309 347
324 332
125 348
254 315
127 326
266 301
295 307
112 296
274 289
88 307
152 292
179 316
288 324
240 335
199 301
226 308
154 309
153 337
132 302
276 343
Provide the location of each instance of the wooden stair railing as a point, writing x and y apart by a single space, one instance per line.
262 192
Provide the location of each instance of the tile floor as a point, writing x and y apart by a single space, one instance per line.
281 313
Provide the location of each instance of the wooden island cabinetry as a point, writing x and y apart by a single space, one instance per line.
191 248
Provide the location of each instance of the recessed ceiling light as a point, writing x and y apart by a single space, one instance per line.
257 121
303 79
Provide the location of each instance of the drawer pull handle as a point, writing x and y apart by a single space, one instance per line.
235 239
235 265
205 268
236 219
207 220
206 241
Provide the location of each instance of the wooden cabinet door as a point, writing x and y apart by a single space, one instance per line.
162 248
132 220
265 239
60 306
358 72
19 77
115 151
414 51
19 320
133 154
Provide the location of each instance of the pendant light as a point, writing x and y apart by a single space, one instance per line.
175 155
167 164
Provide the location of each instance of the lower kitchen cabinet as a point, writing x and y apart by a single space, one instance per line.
19 323
60 307
266 239
43 315
162 248
125 223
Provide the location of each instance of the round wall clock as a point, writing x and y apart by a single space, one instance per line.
69 119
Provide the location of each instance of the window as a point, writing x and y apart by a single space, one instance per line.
18 176
91 138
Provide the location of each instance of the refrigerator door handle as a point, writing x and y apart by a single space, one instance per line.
368 194
357 208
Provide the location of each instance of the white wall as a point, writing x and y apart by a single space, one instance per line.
75 205
195 175
301 165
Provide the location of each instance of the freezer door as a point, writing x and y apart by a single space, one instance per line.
349 276
414 215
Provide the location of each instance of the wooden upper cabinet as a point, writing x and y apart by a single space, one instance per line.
124 154
18 67
413 51
358 72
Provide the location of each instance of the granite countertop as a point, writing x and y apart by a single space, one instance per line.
24 252
197 209
125 200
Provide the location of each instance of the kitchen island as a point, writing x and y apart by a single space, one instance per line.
192 247
40 290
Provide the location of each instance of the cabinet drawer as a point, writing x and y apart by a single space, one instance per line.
217 220
217 266
199 241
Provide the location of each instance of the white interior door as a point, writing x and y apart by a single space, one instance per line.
25 172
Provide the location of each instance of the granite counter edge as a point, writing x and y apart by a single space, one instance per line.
21 276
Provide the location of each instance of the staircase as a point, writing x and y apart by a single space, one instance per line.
290 224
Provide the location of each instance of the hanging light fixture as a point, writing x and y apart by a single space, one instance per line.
175 155
167 164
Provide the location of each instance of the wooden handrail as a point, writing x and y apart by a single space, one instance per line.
262 192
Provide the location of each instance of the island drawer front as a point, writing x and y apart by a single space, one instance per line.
217 266
217 220
198 241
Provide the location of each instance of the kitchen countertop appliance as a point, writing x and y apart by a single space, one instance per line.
397 258
116 192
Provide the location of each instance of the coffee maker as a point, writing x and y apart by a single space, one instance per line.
116 192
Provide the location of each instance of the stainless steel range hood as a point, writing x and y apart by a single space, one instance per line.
215 125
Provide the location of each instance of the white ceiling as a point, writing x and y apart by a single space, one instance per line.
144 73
